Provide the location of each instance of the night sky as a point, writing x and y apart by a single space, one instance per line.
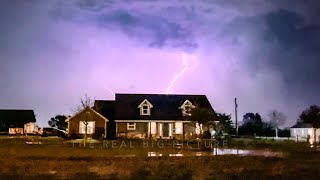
264 52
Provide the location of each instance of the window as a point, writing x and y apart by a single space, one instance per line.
198 129
152 127
145 108
131 126
178 128
90 127
186 108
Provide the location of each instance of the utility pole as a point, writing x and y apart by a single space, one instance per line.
236 114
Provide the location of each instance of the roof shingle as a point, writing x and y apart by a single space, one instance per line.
165 107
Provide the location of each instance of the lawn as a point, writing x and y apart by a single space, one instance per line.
56 158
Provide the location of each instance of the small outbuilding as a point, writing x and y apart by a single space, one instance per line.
13 121
89 122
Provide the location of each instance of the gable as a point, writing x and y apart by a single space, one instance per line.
82 116
145 102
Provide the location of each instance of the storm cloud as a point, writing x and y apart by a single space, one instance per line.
265 53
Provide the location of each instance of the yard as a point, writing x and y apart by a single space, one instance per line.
58 158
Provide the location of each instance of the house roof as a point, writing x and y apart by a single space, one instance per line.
16 118
87 108
165 107
105 108
302 125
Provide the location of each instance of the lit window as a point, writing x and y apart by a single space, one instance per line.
90 127
178 128
131 126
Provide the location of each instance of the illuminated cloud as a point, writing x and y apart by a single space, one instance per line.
265 53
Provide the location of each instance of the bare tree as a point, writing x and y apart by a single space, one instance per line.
86 102
277 119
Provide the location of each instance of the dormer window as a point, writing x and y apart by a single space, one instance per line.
145 108
186 108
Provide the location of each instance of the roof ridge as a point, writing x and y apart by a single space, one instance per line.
16 109
161 94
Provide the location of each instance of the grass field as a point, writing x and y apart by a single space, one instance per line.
56 158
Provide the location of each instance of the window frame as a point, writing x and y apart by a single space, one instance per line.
89 128
186 108
147 109
131 126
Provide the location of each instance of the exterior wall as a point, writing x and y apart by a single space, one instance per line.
189 130
186 131
317 135
31 128
100 125
140 132
300 133
305 134
15 130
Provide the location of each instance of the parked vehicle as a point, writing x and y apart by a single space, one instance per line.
51 131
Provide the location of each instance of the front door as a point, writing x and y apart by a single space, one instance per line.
166 130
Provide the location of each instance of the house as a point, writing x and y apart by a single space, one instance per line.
13 121
106 109
31 128
301 131
304 131
152 115
87 122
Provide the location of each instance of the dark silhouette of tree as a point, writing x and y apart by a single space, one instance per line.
202 116
252 125
225 123
205 118
284 132
311 116
268 129
58 122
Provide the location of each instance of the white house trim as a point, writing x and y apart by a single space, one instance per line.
145 108
184 107
92 110
170 129
131 126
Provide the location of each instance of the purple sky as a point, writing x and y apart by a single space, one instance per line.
264 52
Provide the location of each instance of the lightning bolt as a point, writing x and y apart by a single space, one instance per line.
110 90
176 77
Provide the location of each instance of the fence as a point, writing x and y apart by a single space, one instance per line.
298 139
